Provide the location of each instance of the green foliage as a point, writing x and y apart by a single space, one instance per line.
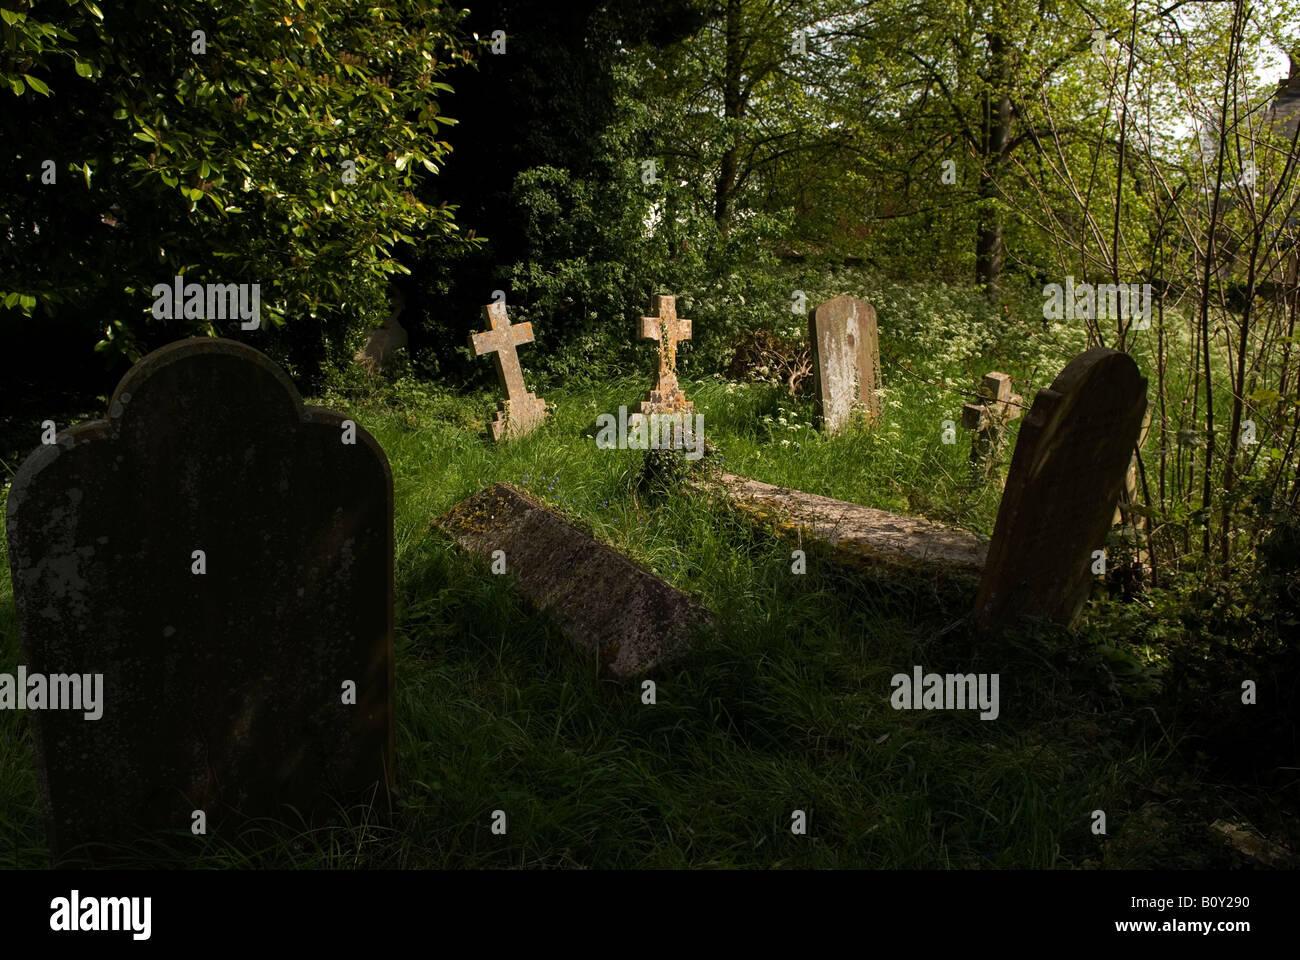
581 268
227 156
33 43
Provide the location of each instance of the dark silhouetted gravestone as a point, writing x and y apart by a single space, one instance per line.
381 346
600 599
224 691
1065 479
846 360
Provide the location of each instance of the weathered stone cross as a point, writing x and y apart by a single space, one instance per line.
520 411
1130 494
666 327
990 418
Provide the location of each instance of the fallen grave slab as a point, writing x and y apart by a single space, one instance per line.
862 537
602 601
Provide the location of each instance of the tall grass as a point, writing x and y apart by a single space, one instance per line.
787 710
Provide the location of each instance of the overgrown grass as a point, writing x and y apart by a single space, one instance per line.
788 710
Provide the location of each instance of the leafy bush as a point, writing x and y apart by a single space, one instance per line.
278 145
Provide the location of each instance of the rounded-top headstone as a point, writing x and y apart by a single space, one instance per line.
1065 478
223 558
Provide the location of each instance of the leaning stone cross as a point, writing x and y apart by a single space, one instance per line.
990 417
666 327
520 412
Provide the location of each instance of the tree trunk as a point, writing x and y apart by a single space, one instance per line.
733 106
988 237
996 133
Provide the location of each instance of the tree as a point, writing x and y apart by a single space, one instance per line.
279 145
741 103
543 174
972 75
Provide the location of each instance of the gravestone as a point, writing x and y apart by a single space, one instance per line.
520 412
846 360
668 329
1066 475
223 556
383 341
1123 514
626 616
860 538
989 418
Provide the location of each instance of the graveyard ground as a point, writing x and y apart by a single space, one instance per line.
789 711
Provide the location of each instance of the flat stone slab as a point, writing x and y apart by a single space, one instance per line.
863 537
602 601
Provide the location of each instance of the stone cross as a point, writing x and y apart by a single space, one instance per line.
666 327
1130 495
989 418
520 412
